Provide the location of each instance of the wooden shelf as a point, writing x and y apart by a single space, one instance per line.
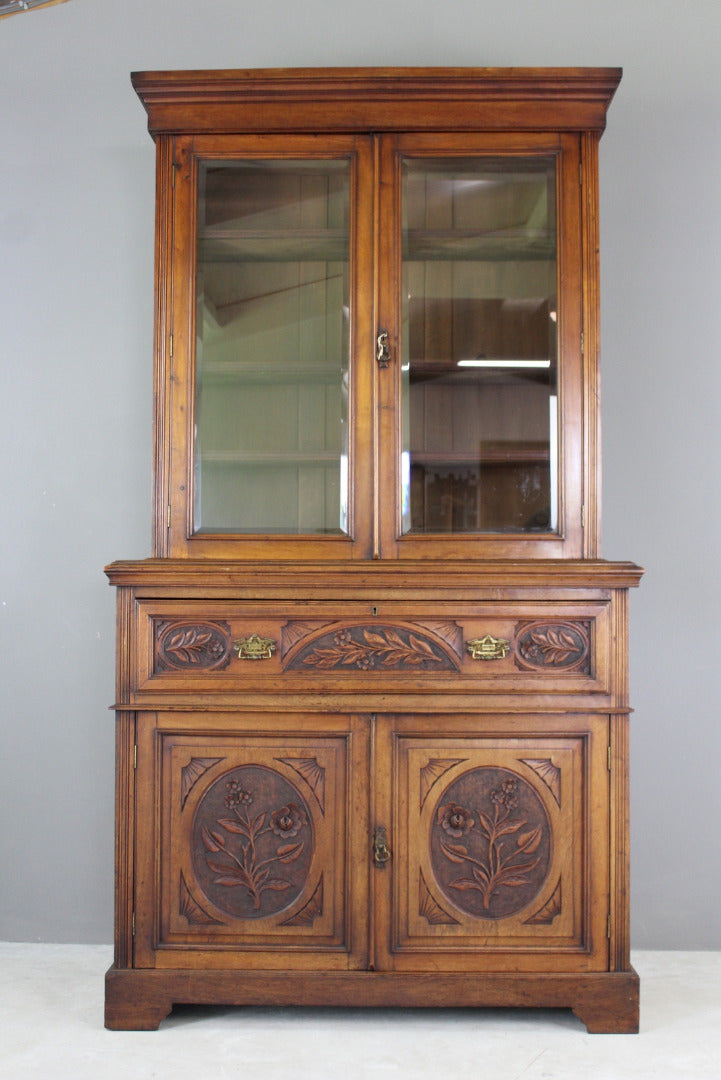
515 454
221 245
266 370
290 458
508 245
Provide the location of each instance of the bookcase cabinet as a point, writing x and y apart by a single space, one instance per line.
372 685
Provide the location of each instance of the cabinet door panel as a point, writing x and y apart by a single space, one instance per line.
493 850
257 832
482 439
269 449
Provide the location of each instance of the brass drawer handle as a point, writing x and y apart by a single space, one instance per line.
488 648
381 851
254 647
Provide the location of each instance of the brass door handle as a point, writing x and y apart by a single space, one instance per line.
381 851
383 349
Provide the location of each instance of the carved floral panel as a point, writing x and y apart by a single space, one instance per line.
490 842
253 842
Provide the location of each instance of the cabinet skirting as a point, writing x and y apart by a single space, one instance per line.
606 1002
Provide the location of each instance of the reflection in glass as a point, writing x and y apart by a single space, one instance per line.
272 347
479 372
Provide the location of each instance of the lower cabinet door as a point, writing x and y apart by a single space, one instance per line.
251 847
498 835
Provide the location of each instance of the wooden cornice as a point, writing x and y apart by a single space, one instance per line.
371 99
372 578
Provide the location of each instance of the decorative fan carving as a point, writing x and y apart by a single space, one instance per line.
191 910
312 910
548 772
192 772
312 773
431 772
429 908
550 909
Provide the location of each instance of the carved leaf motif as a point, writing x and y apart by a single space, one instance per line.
188 645
431 772
455 852
289 852
560 645
180 646
363 648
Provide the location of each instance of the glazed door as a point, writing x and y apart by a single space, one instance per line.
480 317
498 840
253 846
269 346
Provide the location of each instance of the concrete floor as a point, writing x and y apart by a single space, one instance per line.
51 1025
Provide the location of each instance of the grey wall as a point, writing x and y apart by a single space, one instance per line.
76 247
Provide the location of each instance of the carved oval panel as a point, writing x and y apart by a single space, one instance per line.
187 646
378 647
557 645
252 842
490 842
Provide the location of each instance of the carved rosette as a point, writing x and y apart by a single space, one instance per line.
183 646
252 842
372 646
554 646
490 843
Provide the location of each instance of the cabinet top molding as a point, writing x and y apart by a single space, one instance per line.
368 99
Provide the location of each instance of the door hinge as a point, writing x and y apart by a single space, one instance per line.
583 516
132 924
170 346
167 516
135 756
608 927
609 758
583 344
580 173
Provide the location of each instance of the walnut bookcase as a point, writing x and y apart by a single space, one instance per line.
372 687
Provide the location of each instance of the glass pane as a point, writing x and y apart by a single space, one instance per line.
272 350
479 345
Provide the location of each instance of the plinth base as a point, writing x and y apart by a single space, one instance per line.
606 1002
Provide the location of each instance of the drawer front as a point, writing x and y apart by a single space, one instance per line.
515 647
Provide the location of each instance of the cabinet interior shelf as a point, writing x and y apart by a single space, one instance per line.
267 370
220 245
290 458
515 454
